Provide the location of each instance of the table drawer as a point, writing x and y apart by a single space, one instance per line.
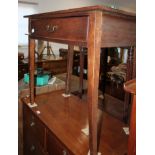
72 28
32 125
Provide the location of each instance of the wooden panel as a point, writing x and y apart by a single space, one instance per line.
117 31
74 28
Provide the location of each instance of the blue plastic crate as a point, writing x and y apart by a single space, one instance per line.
41 80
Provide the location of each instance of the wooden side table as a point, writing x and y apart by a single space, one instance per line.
130 87
93 27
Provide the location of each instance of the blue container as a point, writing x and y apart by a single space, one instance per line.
40 80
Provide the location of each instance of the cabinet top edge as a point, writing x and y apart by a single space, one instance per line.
88 9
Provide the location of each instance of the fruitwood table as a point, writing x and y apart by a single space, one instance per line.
93 27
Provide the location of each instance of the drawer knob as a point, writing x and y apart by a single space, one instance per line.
51 28
64 152
32 30
47 27
32 148
32 124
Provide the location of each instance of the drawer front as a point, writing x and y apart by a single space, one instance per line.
31 146
54 147
33 126
72 29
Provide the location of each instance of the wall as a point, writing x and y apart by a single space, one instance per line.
24 9
28 1
53 5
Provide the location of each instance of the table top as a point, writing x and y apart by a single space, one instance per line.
108 19
104 9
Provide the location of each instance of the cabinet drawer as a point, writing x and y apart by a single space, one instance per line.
31 146
32 125
72 28
54 147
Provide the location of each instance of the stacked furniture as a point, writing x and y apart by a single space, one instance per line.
53 121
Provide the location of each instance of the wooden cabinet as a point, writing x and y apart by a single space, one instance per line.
63 119
38 139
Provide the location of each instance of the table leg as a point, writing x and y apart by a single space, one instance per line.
128 77
134 64
103 69
81 72
69 68
31 68
94 45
